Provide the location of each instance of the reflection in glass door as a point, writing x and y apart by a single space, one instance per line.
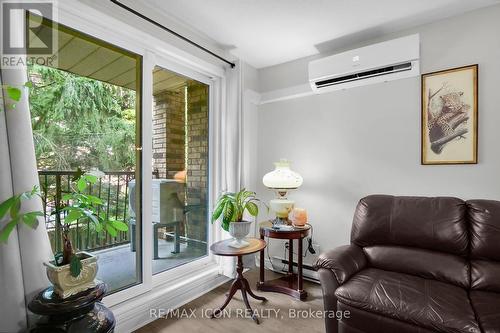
180 169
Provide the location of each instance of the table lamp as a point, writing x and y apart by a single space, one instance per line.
282 179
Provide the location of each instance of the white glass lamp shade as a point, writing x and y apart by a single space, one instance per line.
282 177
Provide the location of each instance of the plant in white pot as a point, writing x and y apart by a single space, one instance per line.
73 271
230 208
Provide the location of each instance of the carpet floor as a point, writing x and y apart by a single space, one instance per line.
280 314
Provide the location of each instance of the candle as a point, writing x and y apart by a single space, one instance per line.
298 216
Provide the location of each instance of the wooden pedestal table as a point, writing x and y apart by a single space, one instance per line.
291 284
82 313
222 248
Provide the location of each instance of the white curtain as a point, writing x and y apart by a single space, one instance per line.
232 130
228 146
22 273
232 172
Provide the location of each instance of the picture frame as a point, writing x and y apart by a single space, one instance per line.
449 116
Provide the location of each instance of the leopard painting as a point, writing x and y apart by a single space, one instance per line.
448 120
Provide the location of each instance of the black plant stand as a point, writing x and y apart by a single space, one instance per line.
82 313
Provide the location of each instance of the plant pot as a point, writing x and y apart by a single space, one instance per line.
66 285
239 230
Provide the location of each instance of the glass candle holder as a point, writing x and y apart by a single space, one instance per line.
298 216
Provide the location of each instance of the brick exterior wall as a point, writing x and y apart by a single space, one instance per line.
168 133
169 148
197 167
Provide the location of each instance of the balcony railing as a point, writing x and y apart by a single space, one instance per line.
112 189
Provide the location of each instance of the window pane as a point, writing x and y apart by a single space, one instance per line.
85 112
180 163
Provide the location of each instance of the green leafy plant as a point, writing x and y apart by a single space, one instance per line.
15 93
231 206
83 207
12 208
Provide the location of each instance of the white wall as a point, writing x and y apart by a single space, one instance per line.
366 140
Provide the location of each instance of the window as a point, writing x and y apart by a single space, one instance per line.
86 114
180 163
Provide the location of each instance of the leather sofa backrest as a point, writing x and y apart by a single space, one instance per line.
484 218
437 224
422 236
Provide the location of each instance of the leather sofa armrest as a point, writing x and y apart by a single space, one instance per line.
343 261
328 285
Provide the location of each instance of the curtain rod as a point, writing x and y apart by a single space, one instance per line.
127 8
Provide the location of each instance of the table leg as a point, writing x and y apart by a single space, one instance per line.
290 263
250 292
299 265
293 282
240 283
247 304
262 254
234 288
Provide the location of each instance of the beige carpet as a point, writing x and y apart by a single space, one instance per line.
279 314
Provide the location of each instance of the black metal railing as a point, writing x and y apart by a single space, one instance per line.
112 189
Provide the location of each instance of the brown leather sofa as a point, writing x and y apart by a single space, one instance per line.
416 264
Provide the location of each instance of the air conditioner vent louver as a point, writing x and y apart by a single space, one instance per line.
377 63
362 75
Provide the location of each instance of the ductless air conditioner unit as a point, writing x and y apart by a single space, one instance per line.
386 61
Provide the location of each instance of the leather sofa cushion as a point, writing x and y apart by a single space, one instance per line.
421 302
484 217
363 321
431 223
485 275
487 307
424 263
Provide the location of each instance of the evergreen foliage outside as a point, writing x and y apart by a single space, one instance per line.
80 122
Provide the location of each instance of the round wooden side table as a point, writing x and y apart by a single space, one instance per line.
82 313
291 284
222 248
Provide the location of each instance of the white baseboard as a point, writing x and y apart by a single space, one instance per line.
135 313
308 274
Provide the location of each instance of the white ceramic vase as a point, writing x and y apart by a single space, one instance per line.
239 230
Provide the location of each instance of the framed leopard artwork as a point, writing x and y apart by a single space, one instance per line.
449 116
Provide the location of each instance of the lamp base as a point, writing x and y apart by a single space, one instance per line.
278 221
281 207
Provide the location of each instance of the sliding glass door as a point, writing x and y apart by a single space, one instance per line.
180 165
86 113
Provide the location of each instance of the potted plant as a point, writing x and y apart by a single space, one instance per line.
72 272
230 207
